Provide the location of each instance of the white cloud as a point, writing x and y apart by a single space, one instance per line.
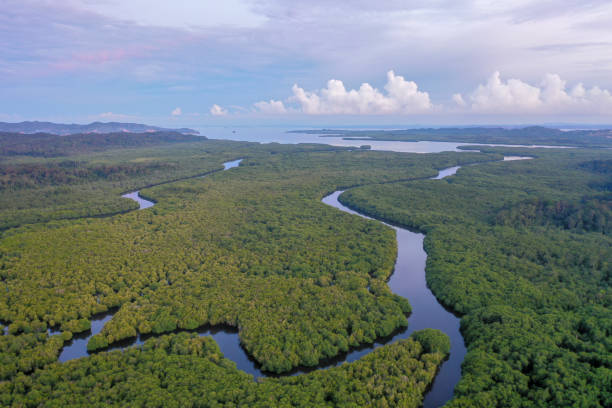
401 97
551 96
443 44
216 110
499 96
177 112
272 107
458 99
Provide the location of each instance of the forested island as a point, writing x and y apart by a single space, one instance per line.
532 135
520 250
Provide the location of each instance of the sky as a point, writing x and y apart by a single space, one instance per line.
204 63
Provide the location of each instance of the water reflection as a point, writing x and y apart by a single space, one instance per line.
279 135
144 203
408 280
446 172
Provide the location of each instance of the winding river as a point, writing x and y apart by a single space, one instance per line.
144 203
407 280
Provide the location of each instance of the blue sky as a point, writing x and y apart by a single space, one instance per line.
198 63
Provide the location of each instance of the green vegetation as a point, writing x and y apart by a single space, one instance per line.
86 178
252 248
523 251
85 175
590 214
188 371
50 145
530 135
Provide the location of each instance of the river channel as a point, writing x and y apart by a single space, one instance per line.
407 280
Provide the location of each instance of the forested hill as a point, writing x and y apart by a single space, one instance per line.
94 127
537 135
51 145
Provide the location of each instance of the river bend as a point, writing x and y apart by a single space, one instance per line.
408 280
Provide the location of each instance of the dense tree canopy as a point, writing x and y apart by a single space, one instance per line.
523 251
252 248
50 145
184 370
531 135
90 184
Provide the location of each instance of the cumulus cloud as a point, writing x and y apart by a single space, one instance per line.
272 107
446 42
497 95
458 99
401 97
216 110
550 96
177 112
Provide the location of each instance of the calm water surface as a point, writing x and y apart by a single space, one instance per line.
144 203
407 280
279 135
135 195
225 336
231 164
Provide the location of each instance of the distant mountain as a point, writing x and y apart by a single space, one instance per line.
95 127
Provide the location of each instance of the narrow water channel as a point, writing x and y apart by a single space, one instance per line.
407 280
144 203
225 336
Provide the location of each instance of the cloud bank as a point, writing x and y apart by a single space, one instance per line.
550 96
496 96
401 97
141 53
